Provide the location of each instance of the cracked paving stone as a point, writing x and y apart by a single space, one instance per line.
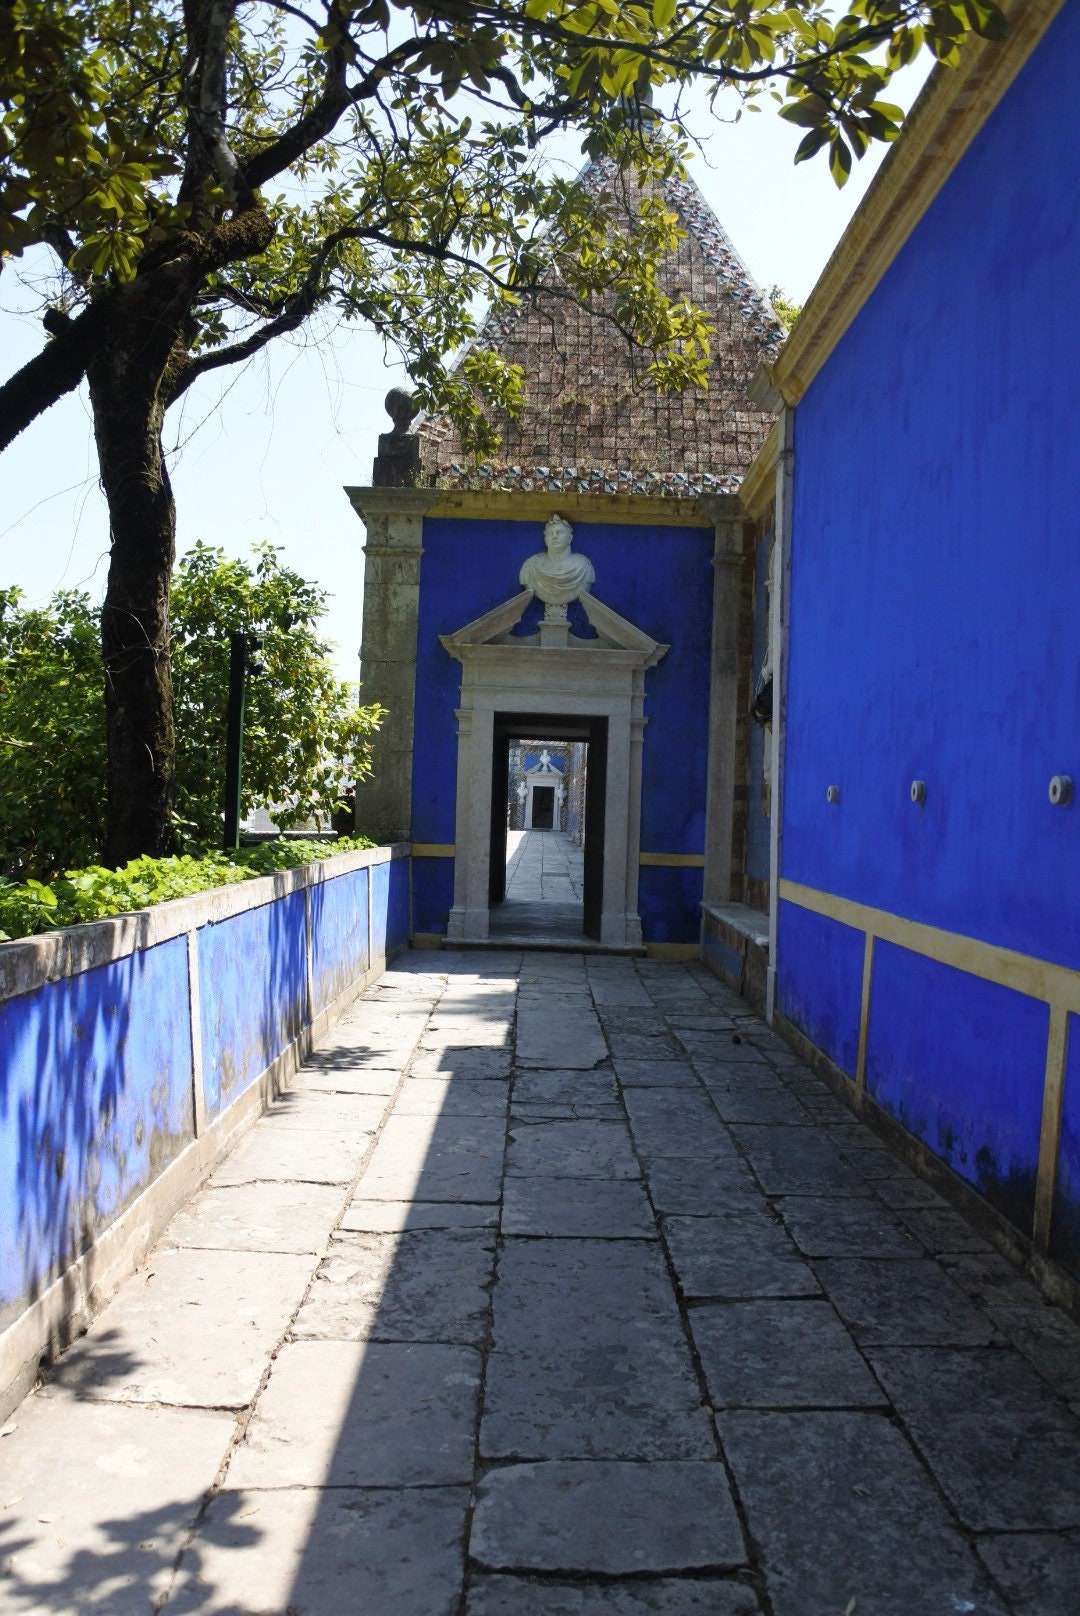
566 1094
433 1096
193 1328
771 1354
436 1158
333 1077
391 1552
495 1595
842 1511
720 1046
658 1074
793 1161
90 1519
667 1122
606 1517
843 1227
1039 1571
732 1074
426 1285
396 1217
902 1303
580 1039
578 1149
736 1254
607 1209
350 1115
590 1360
678 1185
351 1414
1039 1330
258 1217
759 1103
906 1191
1009 1458
306 1155
461 1065
944 1233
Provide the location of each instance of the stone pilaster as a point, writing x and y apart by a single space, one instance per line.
723 698
394 518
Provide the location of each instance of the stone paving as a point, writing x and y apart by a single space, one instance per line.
545 874
556 1287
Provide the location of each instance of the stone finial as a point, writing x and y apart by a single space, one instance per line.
397 464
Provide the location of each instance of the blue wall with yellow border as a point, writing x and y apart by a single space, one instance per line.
935 593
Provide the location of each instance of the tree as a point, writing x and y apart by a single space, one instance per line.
205 174
306 739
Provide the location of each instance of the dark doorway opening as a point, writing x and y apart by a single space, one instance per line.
528 916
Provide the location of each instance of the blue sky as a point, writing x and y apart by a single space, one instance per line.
262 452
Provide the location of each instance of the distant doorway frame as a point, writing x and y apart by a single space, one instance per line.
593 730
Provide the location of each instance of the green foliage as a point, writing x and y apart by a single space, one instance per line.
52 734
140 133
785 310
305 737
94 893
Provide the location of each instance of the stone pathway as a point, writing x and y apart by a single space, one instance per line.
556 1287
544 879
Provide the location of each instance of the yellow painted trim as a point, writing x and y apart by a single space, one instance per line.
679 861
645 509
1039 979
673 951
427 939
864 1011
758 488
953 106
432 849
1057 1050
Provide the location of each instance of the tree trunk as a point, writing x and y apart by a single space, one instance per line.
126 392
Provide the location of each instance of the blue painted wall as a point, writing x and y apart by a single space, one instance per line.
248 1016
661 580
820 984
339 935
960 1062
935 597
95 1100
96 1069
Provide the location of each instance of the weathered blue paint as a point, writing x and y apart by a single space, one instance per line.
820 981
669 902
935 570
95 1100
250 1012
1065 1233
722 955
389 907
757 819
660 579
433 894
960 1063
935 591
339 935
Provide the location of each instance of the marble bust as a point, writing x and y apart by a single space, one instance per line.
555 575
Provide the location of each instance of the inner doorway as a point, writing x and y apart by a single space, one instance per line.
548 787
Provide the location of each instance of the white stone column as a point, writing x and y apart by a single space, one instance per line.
470 917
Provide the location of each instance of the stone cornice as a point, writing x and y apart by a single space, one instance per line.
392 501
945 119
759 485
644 510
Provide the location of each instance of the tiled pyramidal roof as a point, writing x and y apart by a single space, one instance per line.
592 420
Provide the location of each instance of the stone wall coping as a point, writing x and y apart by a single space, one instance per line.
752 924
28 963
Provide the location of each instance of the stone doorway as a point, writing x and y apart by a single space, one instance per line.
546 879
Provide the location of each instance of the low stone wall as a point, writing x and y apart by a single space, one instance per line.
133 1051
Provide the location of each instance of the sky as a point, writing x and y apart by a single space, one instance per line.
262 451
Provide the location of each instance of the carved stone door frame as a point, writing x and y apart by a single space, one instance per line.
588 678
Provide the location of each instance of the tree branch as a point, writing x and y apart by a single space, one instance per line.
56 370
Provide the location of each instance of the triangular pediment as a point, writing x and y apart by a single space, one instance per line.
494 632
